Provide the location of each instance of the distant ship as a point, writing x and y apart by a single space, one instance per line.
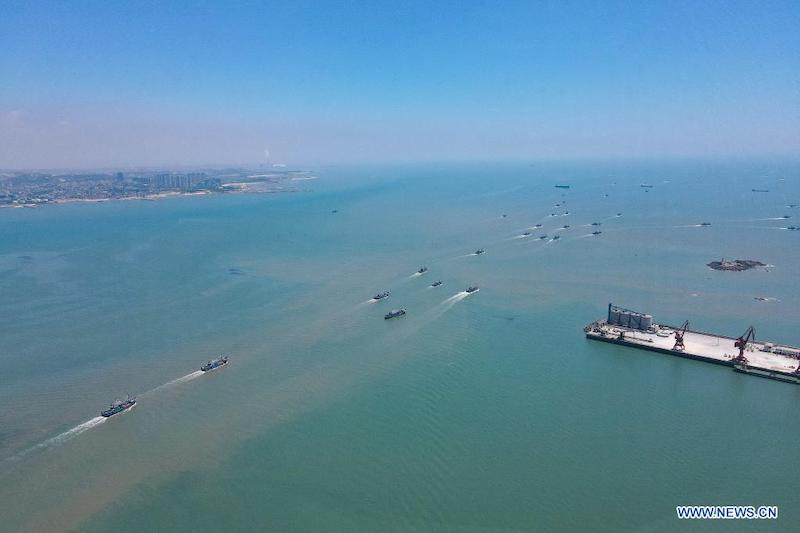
596 223
555 238
562 186
214 363
542 237
118 406
596 232
786 216
565 226
619 214
705 224
760 190
480 251
393 314
527 233
381 295
538 226
646 186
422 270
436 283
472 289
793 228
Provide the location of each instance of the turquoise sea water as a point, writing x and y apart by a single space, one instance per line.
482 413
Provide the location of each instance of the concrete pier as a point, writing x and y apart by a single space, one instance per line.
764 359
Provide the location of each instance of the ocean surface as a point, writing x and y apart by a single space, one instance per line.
486 412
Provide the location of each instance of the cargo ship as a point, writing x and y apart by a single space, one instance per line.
743 354
381 295
118 406
394 314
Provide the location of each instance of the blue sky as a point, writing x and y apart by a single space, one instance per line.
158 83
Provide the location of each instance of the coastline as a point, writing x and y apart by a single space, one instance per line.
152 197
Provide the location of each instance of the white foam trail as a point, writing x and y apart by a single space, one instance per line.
96 421
74 432
183 379
453 300
67 435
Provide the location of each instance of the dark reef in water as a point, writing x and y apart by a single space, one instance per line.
736 265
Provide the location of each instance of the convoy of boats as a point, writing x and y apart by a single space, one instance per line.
120 406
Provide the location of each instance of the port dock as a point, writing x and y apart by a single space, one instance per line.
743 354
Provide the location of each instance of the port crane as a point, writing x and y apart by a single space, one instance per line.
679 346
742 342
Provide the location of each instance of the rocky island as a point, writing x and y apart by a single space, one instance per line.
736 265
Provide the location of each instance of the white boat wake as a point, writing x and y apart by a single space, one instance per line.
96 421
183 379
62 438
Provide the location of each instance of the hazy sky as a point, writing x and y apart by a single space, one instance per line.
108 83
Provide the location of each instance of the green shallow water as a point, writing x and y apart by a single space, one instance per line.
484 413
